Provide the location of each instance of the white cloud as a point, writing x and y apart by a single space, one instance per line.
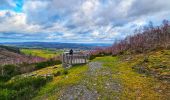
82 20
16 22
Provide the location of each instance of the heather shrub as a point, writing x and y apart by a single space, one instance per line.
22 88
8 71
47 63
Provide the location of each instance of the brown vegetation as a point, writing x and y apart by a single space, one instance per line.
147 39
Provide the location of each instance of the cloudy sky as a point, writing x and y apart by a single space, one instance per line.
101 21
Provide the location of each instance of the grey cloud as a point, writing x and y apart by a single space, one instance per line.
49 11
148 7
68 19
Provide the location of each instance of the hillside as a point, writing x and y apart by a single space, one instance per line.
112 78
147 39
9 48
12 55
137 76
8 54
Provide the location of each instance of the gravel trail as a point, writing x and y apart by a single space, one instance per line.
96 78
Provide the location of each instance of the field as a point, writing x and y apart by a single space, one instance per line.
44 53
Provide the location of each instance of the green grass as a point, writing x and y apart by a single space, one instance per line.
45 53
54 88
21 88
134 85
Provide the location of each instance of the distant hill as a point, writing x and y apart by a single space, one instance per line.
56 45
9 54
9 48
12 55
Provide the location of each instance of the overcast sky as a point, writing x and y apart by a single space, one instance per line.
101 21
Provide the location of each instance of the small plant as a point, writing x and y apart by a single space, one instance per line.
92 57
65 72
121 53
58 73
146 59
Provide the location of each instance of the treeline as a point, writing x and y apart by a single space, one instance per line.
147 39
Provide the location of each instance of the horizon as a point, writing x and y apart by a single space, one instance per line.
77 21
58 42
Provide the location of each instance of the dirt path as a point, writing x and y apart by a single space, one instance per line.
98 83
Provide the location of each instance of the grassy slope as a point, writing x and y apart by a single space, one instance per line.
41 52
59 83
134 85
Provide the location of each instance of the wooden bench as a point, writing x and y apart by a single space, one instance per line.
77 58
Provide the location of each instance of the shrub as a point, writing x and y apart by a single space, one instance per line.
47 63
146 59
8 71
121 53
141 69
58 73
6 94
65 72
22 88
98 55
92 57
138 51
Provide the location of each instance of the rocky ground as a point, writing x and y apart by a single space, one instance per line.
98 83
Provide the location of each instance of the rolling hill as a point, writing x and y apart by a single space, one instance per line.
56 45
12 55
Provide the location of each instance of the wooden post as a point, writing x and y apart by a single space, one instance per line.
84 59
71 58
63 60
